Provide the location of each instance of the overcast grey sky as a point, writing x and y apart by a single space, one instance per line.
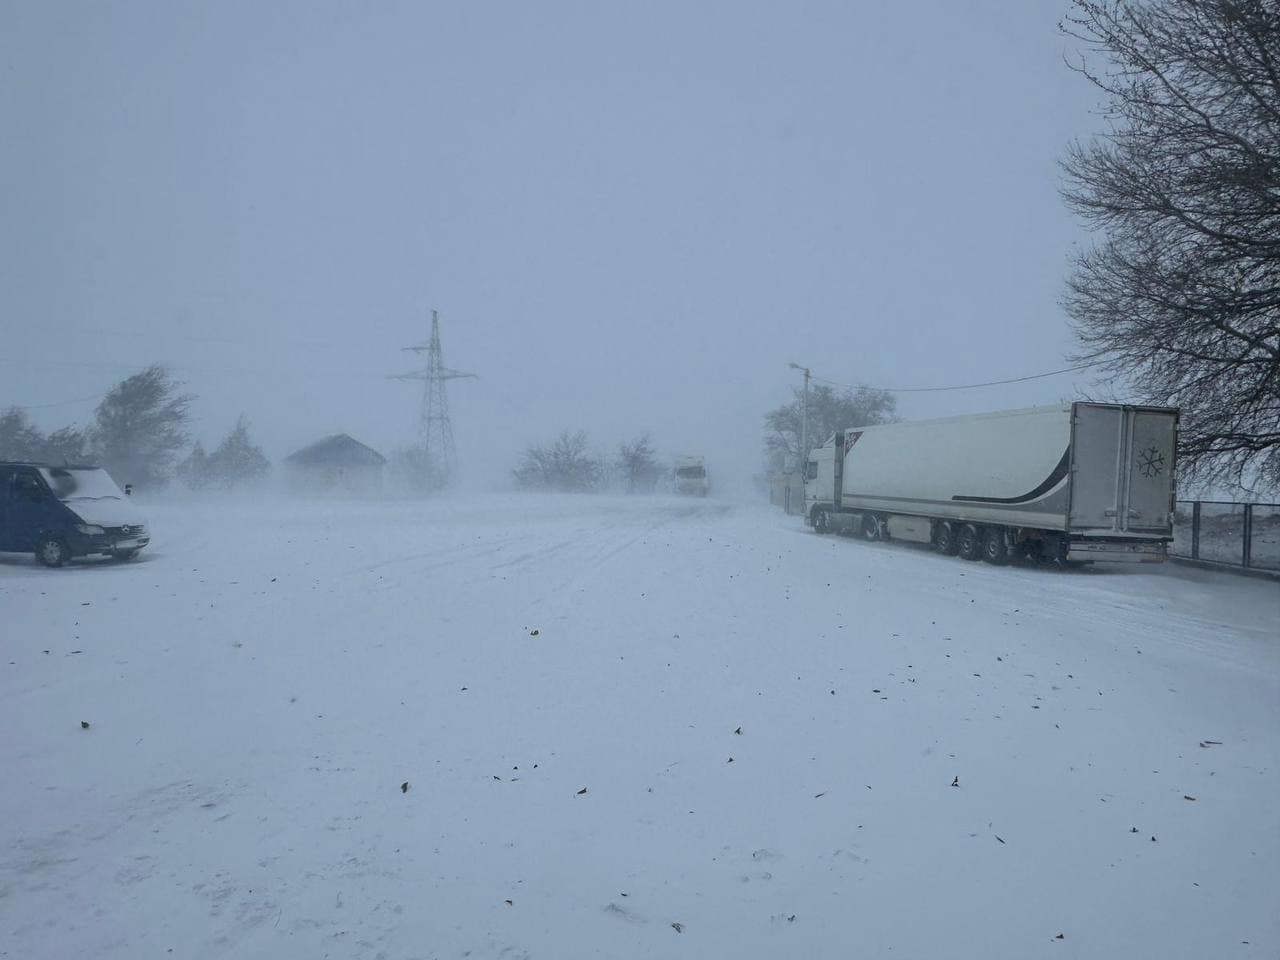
631 216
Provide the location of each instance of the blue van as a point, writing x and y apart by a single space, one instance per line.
59 513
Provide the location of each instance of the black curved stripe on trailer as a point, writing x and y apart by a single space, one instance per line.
1049 482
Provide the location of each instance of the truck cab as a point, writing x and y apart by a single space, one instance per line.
820 479
691 477
60 513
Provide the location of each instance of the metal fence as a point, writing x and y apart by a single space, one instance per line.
1237 534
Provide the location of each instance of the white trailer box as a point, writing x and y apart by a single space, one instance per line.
1075 481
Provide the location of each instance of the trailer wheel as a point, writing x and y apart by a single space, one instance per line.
871 527
946 541
994 547
969 542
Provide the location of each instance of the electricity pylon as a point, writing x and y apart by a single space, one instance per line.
434 428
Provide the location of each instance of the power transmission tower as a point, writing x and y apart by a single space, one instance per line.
435 428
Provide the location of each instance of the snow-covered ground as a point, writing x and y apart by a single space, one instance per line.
629 728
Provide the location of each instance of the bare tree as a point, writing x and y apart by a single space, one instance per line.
566 464
637 464
829 410
1180 298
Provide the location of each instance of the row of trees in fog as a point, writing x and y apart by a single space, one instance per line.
568 464
139 433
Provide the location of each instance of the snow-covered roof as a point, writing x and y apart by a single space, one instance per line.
338 450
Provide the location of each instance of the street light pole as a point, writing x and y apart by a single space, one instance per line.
804 420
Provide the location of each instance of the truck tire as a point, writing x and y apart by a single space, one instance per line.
995 549
946 540
821 523
871 527
969 542
52 551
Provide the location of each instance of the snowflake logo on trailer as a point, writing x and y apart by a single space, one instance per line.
1151 462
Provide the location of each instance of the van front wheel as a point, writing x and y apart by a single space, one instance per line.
52 552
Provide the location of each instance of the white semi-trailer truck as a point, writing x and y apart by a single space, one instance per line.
1074 482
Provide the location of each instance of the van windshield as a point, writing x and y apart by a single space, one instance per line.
72 484
691 473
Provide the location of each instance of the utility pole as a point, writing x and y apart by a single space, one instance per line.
435 430
804 419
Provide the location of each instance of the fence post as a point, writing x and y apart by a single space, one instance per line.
1247 553
1195 530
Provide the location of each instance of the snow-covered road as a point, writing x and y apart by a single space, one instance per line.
628 728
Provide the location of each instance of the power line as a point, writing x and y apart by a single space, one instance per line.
62 403
218 369
449 374
180 367
964 386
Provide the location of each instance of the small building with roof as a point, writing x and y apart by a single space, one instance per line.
338 464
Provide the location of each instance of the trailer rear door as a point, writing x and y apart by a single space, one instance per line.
1096 436
1122 463
1152 435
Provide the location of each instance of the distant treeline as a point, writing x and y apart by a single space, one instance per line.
139 433
567 464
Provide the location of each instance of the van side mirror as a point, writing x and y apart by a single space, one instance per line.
128 489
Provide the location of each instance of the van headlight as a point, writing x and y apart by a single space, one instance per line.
89 530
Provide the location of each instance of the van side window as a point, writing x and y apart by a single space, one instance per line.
811 473
27 486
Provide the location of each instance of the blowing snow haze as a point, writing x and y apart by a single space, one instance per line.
630 218
932 656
